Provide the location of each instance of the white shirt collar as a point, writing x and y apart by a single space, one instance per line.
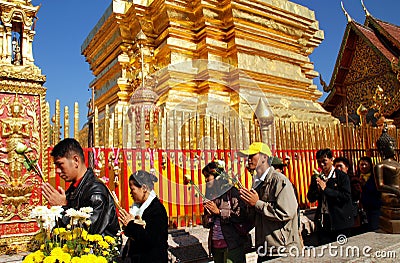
258 180
330 174
137 210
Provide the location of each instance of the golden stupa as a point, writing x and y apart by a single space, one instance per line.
208 57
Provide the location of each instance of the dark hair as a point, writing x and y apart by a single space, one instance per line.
324 153
68 147
342 159
221 184
142 177
212 168
368 160
345 161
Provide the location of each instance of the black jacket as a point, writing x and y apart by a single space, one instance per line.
92 192
149 244
338 196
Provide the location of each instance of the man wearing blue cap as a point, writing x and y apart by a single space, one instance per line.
273 203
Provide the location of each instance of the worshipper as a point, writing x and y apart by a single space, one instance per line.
86 190
224 211
331 188
273 202
146 224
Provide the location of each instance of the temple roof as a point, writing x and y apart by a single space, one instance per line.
382 37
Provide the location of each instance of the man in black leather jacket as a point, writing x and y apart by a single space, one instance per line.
85 190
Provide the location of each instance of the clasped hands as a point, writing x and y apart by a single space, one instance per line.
249 196
55 197
321 183
125 217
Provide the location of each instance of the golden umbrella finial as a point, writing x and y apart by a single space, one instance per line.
265 118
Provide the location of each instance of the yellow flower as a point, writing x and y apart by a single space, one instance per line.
65 248
57 251
90 237
89 258
50 259
76 260
29 258
109 240
104 244
59 230
84 235
86 250
68 235
105 253
64 258
98 237
39 256
42 247
101 259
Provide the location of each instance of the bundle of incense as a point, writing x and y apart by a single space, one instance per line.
236 181
113 195
138 220
115 198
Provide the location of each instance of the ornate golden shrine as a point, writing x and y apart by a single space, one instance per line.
246 50
22 107
366 71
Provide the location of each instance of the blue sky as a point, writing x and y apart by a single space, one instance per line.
63 26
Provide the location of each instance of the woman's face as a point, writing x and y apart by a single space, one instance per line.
138 194
364 167
209 178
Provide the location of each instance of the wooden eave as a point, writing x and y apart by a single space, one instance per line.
390 31
341 69
343 63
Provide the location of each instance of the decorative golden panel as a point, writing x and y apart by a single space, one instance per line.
367 71
366 63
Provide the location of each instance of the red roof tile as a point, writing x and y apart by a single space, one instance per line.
370 35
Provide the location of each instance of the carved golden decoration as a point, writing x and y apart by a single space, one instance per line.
29 72
21 125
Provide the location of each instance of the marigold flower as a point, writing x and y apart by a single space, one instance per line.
98 237
50 259
104 244
101 259
109 240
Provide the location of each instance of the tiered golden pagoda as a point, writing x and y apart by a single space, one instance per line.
22 110
209 57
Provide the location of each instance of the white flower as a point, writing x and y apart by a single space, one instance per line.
87 210
39 211
72 212
221 163
56 211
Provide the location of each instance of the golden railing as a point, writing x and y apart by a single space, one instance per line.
180 143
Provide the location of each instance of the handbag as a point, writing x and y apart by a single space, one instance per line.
363 216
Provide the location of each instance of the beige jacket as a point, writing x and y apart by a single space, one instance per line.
276 217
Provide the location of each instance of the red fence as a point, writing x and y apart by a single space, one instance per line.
170 166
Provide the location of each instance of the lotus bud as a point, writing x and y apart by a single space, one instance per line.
21 148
